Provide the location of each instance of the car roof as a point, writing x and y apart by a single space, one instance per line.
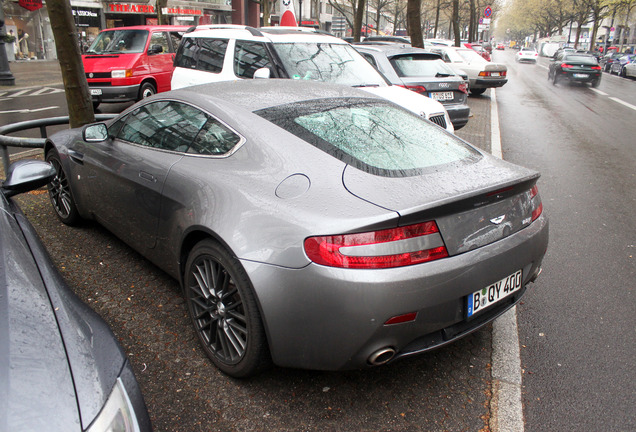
263 34
151 27
393 50
254 95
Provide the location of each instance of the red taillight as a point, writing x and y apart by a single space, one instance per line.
416 88
537 208
565 66
408 317
596 67
463 87
395 247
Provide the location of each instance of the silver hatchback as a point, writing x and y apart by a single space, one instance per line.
312 225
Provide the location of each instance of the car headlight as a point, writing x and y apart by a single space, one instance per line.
118 414
124 73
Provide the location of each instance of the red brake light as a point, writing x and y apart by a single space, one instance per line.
395 247
463 87
537 209
596 67
565 66
416 88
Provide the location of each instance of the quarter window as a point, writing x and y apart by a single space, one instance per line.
211 54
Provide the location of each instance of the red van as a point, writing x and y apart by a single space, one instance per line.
131 63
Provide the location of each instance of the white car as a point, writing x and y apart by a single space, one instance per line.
527 55
482 74
630 69
213 53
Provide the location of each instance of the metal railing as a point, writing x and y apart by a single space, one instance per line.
41 124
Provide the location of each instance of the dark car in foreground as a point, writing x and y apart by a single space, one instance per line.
313 225
575 67
62 368
422 72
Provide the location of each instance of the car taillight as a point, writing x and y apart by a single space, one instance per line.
416 88
537 205
596 67
565 66
395 247
463 87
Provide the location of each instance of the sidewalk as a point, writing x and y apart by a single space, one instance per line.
30 73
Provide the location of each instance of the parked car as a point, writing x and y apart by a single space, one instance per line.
527 55
62 368
130 63
500 46
422 72
630 70
607 60
575 67
618 65
479 50
231 52
482 74
313 225
395 39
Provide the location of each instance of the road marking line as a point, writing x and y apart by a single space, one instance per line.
598 92
19 93
48 90
622 102
27 111
507 406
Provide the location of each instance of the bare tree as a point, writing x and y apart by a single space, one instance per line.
455 22
414 22
78 98
357 21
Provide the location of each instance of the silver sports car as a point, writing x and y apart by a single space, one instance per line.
310 225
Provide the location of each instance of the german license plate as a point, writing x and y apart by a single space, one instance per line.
494 74
442 96
581 75
96 92
488 296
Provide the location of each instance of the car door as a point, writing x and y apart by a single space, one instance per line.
160 63
129 170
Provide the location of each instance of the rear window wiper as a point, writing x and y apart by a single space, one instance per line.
439 74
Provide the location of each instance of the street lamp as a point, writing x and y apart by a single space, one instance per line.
6 77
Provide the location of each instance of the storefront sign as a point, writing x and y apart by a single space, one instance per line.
181 11
30 4
131 8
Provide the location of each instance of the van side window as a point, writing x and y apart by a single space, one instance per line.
160 38
249 57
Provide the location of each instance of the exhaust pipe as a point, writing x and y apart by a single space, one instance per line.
381 356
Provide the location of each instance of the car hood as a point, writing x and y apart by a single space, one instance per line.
35 376
108 62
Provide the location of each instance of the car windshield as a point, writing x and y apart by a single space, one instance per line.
470 56
119 41
374 136
414 65
334 63
581 59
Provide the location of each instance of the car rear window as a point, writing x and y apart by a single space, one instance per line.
374 136
414 65
581 59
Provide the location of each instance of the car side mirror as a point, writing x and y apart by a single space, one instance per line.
262 73
95 133
155 49
27 175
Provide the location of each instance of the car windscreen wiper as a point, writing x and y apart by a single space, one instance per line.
441 75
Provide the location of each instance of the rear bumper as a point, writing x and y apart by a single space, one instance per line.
333 319
589 78
488 83
114 93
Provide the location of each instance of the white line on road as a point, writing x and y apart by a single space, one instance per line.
47 90
20 93
506 408
598 92
27 111
622 102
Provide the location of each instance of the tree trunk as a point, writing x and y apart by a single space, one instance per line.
414 23
471 25
357 22
456 23
436 18
78 98
161 18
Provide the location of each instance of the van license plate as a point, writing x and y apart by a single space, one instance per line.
96 92
486 297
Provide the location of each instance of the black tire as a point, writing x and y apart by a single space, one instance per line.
95 105
60 192
623 72
224 312
477 91
146 90
596 83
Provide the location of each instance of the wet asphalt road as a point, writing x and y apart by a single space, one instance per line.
445 390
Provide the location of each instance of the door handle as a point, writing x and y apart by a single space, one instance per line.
147 176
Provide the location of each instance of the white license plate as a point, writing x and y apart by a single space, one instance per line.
581 75
96 92
486 297
442 96
494 74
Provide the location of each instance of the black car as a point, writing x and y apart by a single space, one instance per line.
575 67
423 72
62 368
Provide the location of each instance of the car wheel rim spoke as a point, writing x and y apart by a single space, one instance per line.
59 191
218 310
